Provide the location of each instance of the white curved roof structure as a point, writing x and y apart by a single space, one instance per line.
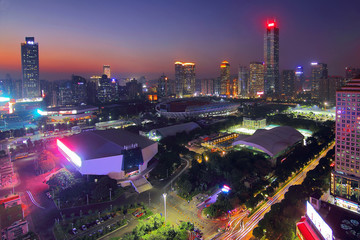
272 141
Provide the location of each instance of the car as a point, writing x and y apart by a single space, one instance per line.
48 195
101 220
83 227
140 214
97 221
74 231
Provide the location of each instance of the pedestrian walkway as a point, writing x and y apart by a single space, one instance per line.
141 184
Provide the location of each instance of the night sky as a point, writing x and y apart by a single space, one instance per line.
145 37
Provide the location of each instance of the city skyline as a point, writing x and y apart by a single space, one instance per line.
144 38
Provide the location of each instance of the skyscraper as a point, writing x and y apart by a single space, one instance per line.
30 68
79 90
256 81
287 83
225 78
299 79
345 179
319 72
243 81
184 79
271 56
106 71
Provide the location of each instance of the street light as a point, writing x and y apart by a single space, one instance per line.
164 195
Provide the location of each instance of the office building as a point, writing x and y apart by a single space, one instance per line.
134 89
225 78
319 72
351 73
256 81
299 79
163 86
288 84
79 90
65 94
30 68
184 79
345 179
271 57
243 81
107 90
106 71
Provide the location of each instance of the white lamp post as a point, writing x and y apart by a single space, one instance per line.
164 195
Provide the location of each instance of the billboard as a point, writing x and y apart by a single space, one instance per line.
318 222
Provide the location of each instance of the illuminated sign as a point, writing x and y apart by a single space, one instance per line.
260 93
318 222
70 155
314 63
4 99
271 24
346 203
30 42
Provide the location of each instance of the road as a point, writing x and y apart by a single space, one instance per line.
249 224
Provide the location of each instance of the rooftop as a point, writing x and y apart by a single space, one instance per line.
103 143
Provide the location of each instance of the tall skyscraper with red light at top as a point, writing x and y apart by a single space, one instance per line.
271 57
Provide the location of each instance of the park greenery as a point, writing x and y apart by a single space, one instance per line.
155 229
249 174
71 189
280 221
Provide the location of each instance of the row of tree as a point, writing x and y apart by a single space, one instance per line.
280 222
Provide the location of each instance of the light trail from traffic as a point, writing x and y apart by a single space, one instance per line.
266 207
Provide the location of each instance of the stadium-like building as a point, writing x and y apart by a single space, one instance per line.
184 108
117 153
275 142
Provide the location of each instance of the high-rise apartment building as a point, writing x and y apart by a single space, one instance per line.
106 71
345 179
256 81
299 79
163 86
184 79
30 68
319 72
288 83
271 57
243 81
225 78
207 86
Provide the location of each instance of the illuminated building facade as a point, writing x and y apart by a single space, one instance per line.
271 56
256 81
184 79
288 83
225 78
243 81
30 68
117 153
328 87
107 90
106 71
319 71
345 179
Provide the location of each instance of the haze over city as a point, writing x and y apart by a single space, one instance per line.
145 38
